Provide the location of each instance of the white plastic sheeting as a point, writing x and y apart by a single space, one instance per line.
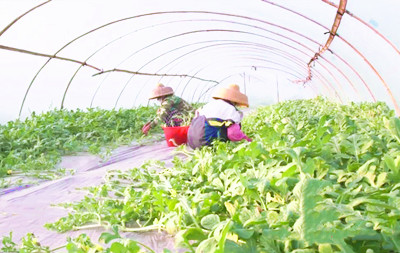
26 211
194 46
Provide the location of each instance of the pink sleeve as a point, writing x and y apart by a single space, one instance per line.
236 134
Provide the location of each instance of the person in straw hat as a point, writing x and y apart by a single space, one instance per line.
172 111
219 119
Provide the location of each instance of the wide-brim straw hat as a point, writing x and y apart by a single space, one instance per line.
232 93
161 91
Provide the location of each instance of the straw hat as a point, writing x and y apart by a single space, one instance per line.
232 93
161 91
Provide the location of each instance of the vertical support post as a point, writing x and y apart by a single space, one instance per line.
277 89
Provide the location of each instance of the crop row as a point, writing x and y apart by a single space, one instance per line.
317 177
34 146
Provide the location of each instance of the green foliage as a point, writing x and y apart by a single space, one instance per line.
80 244
318 177
34 146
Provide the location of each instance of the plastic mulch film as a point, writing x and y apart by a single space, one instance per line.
28 210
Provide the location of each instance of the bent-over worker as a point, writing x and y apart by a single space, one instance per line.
173 109
219 119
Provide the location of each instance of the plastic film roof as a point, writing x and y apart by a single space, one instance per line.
110 54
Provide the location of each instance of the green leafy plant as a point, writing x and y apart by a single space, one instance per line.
80 244
34 146
317 177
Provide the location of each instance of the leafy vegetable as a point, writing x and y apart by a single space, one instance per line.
35 146
318 177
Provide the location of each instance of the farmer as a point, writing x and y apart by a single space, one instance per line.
173 109
219 119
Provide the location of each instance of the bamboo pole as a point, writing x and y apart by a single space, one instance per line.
152 74
93 67
332 34
151 14
18 18
48 56
224 14
368 25
395 104
388 90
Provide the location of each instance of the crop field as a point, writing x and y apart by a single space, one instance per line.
317 177
33 147
99 116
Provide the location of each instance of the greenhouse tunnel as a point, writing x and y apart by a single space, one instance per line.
82 55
